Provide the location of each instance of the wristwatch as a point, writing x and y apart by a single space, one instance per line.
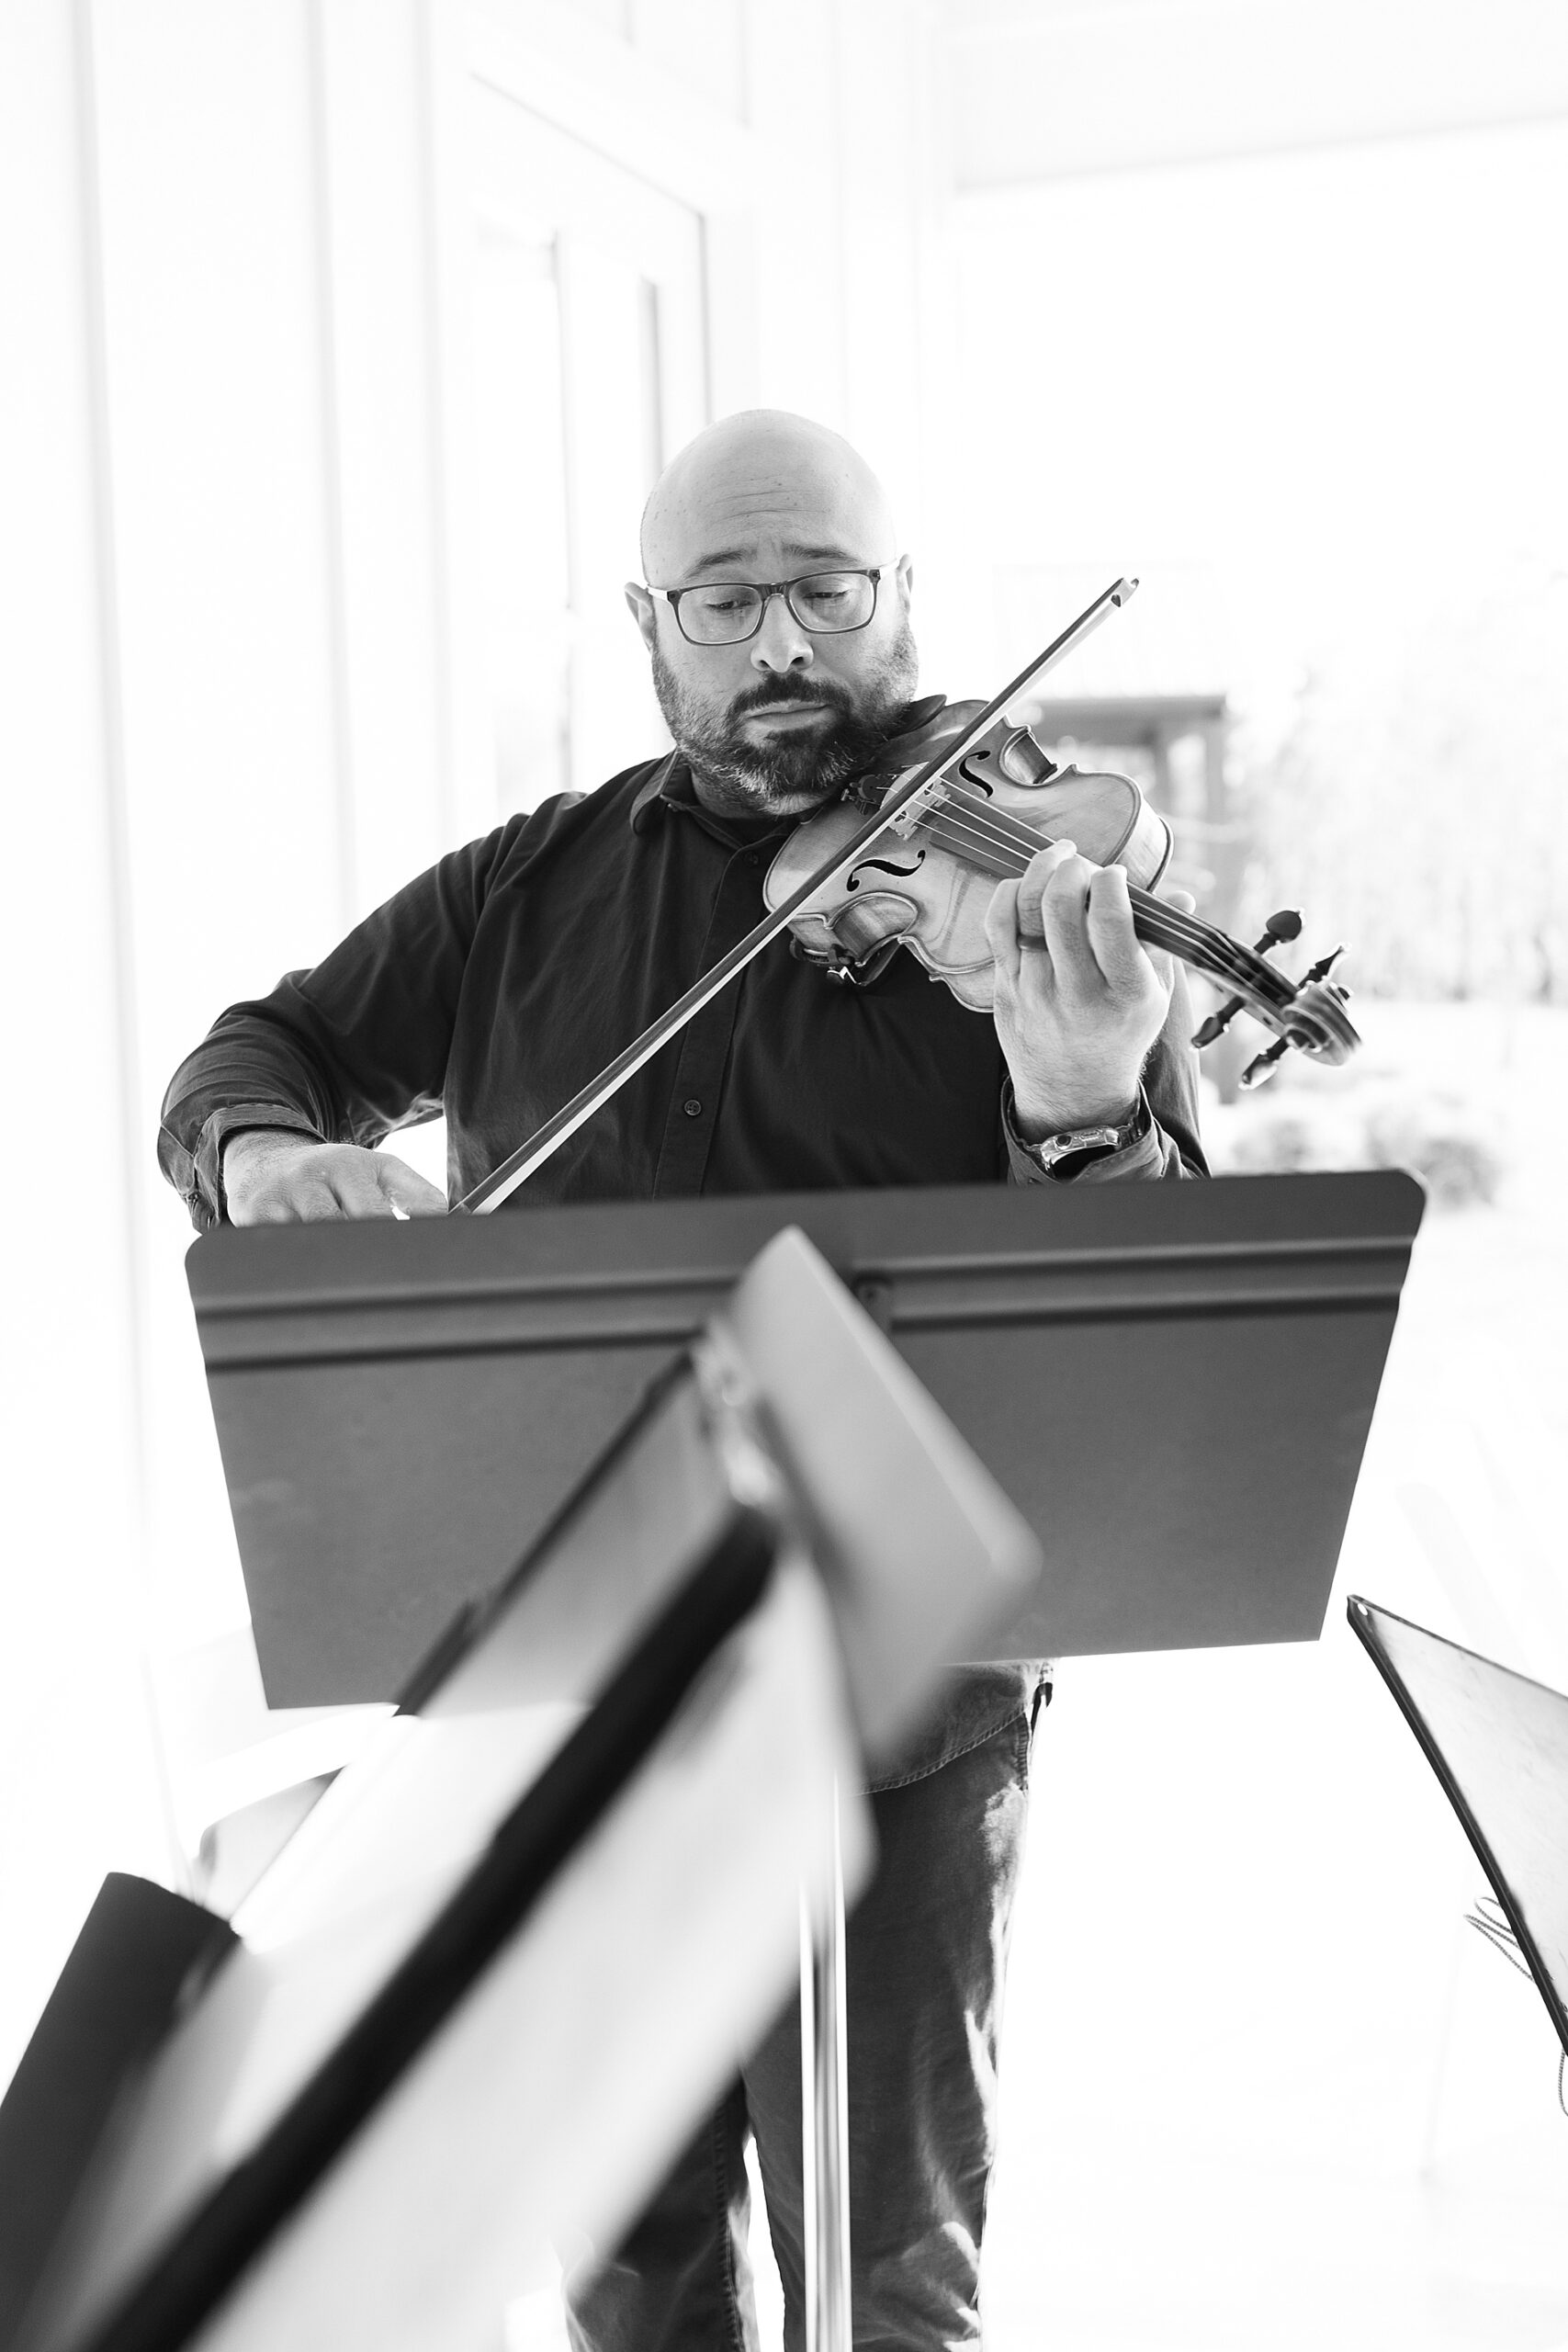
1061 1156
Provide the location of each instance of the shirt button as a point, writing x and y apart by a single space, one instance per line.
752 858
692 1107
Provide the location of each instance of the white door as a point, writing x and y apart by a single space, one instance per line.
587 370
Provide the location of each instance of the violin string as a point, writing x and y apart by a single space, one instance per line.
1015 854
1193 941
972 819
997 829
1196 942
1215 952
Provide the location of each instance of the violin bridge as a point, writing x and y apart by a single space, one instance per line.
916 812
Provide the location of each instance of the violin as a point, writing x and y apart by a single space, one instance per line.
909 856
925 881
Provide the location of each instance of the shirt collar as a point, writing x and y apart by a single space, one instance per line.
657 788
669 786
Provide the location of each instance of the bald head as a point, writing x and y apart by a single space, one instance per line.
757 480
772 721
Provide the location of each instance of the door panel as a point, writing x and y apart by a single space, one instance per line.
588 370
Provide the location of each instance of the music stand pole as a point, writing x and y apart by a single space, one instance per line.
825 2115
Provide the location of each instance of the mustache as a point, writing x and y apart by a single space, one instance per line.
784 690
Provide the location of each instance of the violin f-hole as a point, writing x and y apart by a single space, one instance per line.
883 865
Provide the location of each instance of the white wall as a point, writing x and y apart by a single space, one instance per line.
79 1788
1048 89
245 695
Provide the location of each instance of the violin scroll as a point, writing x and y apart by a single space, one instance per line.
1285 925
1312 1019
1318 1027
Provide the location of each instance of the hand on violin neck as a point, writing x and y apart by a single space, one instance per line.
1080 1000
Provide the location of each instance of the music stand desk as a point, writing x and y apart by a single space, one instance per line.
1173 1382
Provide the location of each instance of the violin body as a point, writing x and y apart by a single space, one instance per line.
928 889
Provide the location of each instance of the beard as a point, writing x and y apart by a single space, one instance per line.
794 771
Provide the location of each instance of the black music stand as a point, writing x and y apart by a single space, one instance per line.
1173 1382
631 1787
1498 1745
397 1405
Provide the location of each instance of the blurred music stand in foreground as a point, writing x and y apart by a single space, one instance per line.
1498 1744
1173 1383
392 1400
486 1991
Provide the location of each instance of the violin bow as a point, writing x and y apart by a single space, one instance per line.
516 1169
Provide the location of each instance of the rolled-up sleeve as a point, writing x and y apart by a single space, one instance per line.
346 1051
1169 1147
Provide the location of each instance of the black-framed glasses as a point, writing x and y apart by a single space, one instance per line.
726 612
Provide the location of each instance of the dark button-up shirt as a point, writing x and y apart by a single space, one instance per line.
502 980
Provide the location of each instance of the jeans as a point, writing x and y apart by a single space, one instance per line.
927 1951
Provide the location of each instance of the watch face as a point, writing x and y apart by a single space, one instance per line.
1074 1156
1081 1139
1065 1153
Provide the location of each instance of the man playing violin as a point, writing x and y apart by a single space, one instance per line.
775 610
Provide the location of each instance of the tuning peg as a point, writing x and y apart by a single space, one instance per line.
1257 1073
1277 932
1216 1023
1323 966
